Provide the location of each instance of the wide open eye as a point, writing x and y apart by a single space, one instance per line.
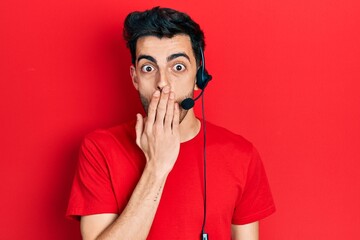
147 68
179 67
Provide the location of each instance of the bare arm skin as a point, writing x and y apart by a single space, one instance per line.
158 137
245 232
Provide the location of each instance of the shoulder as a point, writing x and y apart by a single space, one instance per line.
222 137
108 145
115 134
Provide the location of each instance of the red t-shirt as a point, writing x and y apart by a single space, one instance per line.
110 165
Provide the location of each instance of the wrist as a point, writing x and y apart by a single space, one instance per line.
156 172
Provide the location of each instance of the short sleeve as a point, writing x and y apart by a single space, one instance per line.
92 190
255 201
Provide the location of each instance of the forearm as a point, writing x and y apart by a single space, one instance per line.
136 219
248 231
159 138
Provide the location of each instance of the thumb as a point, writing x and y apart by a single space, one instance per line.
139 128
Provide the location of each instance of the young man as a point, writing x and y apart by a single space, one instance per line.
145 180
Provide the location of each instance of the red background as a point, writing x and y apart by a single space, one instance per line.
286 76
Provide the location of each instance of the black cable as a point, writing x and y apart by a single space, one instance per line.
202 99
204 235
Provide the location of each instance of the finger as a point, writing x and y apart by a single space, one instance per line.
176 119
169 110
161 108
139 128
152 109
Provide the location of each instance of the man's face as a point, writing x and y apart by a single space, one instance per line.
164 62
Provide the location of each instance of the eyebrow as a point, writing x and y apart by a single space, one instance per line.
148 57
169 58
176 55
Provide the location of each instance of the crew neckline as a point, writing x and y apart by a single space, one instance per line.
197 136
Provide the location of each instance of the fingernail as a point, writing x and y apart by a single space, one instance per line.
157 93
172 95
166 89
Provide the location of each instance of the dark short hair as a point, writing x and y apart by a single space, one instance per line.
162 22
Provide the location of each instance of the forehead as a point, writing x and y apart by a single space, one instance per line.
163 47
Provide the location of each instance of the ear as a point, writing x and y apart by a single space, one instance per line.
134 77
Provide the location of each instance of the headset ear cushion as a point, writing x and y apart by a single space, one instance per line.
202 78
207 76
199 78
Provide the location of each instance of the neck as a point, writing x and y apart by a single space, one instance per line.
189 127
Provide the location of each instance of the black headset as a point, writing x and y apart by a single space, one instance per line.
202 76
202 79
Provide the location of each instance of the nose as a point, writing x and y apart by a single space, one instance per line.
162 80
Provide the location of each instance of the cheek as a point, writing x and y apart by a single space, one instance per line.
184 78
146 84
185 83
